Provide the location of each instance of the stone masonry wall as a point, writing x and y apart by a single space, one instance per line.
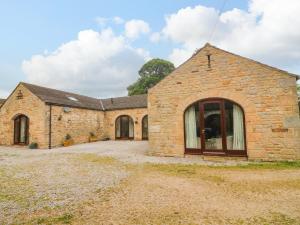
137 116
77 122
29 105
268 97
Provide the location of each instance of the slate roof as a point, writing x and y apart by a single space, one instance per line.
128 102
2 101
57 97
62 98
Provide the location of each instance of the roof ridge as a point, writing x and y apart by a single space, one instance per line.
123 97
53 89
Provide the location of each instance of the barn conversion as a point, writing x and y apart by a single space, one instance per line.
216 103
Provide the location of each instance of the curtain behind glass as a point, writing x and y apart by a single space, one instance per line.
118 127
191 128
145 127
23 130
131 128
238 128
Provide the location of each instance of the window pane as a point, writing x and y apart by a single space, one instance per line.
234 126
145 127
118 127
23 130
192 127
17 130
131 128
212 124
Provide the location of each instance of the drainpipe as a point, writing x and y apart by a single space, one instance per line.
50 126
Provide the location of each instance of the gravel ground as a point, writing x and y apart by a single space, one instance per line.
125 151
31 180
115 182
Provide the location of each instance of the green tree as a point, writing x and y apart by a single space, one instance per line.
150 74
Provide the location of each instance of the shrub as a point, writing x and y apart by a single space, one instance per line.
68 137
33 145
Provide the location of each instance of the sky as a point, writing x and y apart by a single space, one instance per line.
96 48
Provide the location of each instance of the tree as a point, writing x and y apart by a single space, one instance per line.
150 74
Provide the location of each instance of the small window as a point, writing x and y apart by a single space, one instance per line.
72 98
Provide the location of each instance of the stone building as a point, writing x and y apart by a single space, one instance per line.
219 103
34 114
216 103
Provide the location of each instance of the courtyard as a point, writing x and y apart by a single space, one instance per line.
116 182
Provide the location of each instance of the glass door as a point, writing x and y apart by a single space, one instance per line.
21 130
215 126
212 126
124 127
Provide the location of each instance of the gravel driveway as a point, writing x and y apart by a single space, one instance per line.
116 182
125 151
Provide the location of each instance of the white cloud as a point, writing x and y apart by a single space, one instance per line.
266 31
96 63
101 21
155 37
118 20
134 28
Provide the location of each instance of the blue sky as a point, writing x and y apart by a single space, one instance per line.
39 28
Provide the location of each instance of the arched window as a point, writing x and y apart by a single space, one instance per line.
124 127
214 126
21 129
145 128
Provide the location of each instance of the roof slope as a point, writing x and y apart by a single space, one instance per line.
56 97
207 45
62 98
251 60
128 102
2 101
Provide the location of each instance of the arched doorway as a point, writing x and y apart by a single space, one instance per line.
124 127
216 127
21 130
145 128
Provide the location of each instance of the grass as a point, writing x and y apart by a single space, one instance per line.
274 218
190 170
17 189
66 218
10 187
93 158
270 165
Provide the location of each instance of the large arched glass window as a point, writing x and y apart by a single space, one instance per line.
21 128
215 126
145 128
124 127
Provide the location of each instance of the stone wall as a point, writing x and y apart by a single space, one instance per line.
29 105
137 116
268 97
76 122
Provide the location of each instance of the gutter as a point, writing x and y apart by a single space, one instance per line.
50 126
